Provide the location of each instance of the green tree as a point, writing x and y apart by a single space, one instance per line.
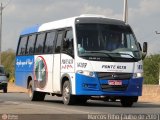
151 69
8 60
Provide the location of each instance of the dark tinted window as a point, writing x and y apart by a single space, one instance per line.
59 41
49 42
116 41
68 42
30 45
22 45
40 43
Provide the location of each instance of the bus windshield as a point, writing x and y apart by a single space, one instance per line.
107 41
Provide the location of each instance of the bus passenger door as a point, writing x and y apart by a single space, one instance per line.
57 63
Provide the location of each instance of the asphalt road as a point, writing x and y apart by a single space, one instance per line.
19 103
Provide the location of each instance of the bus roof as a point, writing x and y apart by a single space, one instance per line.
69 22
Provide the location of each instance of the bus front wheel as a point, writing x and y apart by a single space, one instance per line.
127 101
68 99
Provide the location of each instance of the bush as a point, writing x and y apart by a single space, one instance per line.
151 69
8 60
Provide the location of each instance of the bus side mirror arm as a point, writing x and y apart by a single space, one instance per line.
145 48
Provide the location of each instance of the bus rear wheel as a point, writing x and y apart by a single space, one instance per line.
68 99
35 95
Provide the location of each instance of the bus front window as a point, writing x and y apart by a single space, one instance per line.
104 40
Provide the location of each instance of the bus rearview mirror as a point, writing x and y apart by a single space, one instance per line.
145 48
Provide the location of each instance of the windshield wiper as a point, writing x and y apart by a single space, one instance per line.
101 53
128 55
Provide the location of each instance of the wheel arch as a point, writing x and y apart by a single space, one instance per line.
28 80
64 78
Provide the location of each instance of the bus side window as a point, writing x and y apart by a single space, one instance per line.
30 45
68 42
22 45
58 42
48 48
40 43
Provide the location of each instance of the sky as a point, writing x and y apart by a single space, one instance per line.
144 17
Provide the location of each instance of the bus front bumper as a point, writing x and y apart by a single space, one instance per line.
91 86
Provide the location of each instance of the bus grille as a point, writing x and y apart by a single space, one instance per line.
114 76
113 88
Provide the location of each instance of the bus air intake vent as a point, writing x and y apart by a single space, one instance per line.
114 76
113 88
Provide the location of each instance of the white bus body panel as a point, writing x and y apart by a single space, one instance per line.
56 74
57 24
68 69
98 66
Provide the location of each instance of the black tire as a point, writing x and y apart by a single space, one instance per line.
35 95
68 99
81 100
135 99
5 89
127 101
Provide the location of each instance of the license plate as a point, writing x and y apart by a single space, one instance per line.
115 82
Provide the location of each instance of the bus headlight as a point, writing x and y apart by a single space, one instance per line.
86 73
137 75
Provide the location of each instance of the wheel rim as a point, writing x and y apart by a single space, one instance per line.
66 93
30 92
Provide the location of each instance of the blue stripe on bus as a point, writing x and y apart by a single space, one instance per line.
30 30
91 86
24 68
